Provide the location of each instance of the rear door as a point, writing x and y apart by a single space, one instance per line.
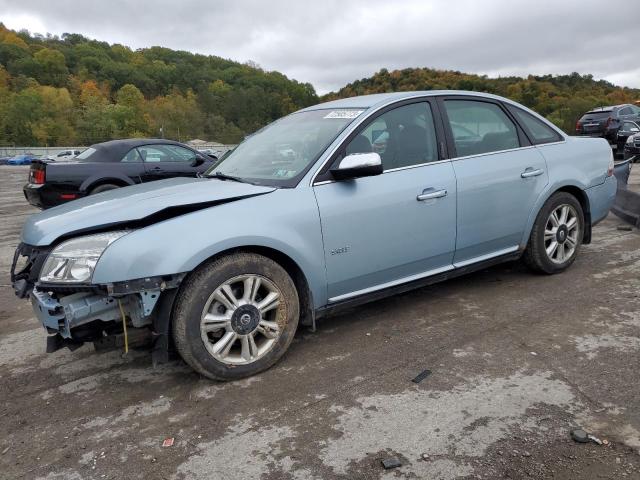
499 177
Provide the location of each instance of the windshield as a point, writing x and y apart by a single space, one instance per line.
281 153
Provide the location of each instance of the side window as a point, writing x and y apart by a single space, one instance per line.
131 156
166 153
630 127
626 111
480 127
537 130
180 154
403 137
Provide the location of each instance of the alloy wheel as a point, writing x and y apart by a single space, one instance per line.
561 233
240 320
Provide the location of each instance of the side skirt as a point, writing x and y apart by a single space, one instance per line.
342 305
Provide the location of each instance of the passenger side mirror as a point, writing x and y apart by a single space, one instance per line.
358 165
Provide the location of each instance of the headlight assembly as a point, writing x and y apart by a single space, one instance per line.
73 261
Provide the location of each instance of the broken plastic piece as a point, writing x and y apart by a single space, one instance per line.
580 435
168 442
424 374
625 228
595 439
391 462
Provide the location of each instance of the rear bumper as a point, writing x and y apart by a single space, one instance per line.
44 196
601 198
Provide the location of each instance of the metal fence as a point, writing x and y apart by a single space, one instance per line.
11 150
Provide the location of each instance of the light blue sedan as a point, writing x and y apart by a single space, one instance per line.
332 206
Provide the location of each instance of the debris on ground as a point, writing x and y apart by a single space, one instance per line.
625 228
580 436
168 442
391 462
421 376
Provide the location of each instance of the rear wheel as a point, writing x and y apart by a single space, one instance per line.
556 235
103 188
236 316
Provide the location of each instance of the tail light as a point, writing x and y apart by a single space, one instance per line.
578 126
39 177
610 167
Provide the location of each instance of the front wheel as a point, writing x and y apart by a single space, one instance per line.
556 235
235 316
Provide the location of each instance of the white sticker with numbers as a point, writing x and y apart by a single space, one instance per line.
348 114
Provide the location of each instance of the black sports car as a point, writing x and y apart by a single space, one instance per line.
109 165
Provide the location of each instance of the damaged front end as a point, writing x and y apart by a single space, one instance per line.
74 314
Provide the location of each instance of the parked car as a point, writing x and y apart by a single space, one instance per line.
632 148
22 159
605 122
627 128
111 165
64 155
229 264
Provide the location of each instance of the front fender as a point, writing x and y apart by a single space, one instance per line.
286 220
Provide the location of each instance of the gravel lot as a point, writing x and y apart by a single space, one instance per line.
517 360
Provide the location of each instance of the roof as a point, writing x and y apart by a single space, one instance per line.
114 150
379 99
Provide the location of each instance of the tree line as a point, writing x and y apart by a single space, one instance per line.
72 90
560 98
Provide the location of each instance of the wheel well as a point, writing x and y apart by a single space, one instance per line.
105 181
307 311
584 203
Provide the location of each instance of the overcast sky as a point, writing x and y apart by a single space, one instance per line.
330 42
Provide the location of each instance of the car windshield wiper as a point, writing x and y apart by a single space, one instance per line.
224 176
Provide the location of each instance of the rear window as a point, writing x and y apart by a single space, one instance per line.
599 115
538 131
86 154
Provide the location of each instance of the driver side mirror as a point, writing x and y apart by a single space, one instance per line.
199 160
358 165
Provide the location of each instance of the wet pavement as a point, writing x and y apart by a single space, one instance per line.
517 360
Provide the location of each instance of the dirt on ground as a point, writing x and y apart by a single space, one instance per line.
516 361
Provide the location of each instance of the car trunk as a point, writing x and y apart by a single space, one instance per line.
593 122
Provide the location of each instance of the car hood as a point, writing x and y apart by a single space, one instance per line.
134 206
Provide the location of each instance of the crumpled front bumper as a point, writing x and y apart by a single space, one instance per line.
62 315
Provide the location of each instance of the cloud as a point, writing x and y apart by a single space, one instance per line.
333 42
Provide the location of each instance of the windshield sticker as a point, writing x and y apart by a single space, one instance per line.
349 114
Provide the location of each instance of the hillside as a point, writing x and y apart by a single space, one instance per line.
73 90
562 98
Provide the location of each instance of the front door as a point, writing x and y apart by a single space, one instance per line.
499 178
166 161
395 227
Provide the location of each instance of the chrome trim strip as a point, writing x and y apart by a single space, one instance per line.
487 256
454 159
392 283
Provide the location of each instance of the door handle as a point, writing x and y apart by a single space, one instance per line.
531 173
429 195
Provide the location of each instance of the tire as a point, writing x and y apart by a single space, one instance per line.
540 254
203 323
103 188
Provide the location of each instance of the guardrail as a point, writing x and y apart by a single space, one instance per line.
12 151
627 203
